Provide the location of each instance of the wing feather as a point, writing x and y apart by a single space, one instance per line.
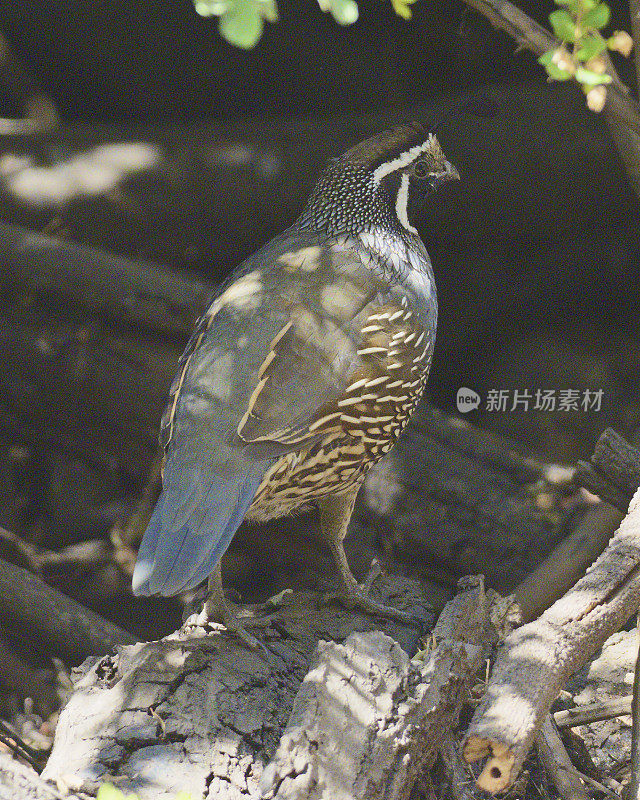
275 349
277 346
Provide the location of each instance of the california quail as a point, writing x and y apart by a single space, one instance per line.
303 371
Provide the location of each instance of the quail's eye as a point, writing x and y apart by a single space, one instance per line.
421 169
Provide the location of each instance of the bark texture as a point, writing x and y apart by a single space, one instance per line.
204 715
367 720
334 708
538 658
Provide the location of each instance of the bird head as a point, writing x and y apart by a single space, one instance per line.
382 182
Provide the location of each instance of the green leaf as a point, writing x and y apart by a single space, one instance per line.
563 25
241 25
591 78
109 792
554 71
401 7
597 17
345 12
210 8
591 46
546 58
269 10
575 5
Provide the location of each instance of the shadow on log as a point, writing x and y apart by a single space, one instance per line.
351 717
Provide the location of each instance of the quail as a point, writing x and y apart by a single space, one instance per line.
303 371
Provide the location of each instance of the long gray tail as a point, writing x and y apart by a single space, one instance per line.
190 529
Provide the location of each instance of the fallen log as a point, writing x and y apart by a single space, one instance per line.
86 380
351 716
537 659
53 620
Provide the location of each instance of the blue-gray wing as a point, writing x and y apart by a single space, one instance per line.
276 346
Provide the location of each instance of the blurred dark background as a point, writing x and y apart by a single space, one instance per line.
176 148
539 238
124 62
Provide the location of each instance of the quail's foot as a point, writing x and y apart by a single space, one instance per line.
355 595
225 617
216 609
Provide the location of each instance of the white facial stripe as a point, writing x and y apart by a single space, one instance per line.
403 160
402 200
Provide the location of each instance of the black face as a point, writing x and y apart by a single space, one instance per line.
381 183
426 177
406 189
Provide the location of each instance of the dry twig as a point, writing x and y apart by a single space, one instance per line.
537 658
594 712
557 764
599 786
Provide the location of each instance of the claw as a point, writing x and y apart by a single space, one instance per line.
357 596
216 610
225 618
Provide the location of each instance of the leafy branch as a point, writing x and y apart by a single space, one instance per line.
242 21
581 53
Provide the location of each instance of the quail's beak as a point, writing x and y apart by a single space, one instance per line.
449 173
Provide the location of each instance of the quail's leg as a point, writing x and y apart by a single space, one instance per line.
217 609
335 513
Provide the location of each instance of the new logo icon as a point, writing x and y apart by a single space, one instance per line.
467 400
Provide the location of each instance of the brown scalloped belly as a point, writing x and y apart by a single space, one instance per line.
359 428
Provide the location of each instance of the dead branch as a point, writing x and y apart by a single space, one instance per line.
593 712
207 715
120 289
18 747
614 470
619 461
537 658
387 699
462 785
568 562
557 764
599 786
28 604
